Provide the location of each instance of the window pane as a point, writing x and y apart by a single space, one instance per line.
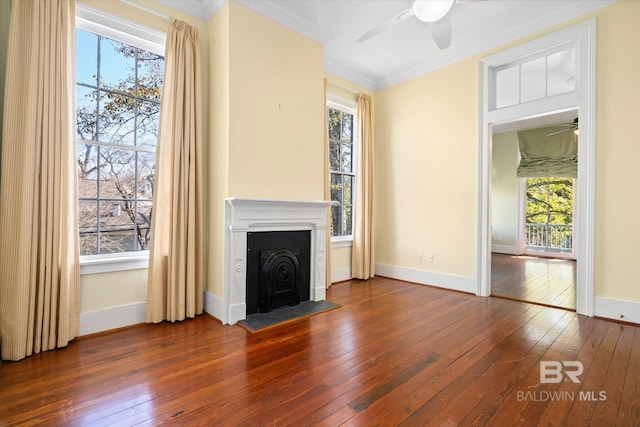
347 127
145 168
147 123
87 171
348 226
561 70
334 155
86 113
117 118
347 157
117 65
117 173
533 81
334 124
143 222
150 74
336 187
348 187
88 223
336 223
87 63
116 226
508 87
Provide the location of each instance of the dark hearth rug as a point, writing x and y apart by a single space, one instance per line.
258 321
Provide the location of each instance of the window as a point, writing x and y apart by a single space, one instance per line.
118 110
342 149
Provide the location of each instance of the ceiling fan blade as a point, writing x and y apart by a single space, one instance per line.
560 131
385 25
441 32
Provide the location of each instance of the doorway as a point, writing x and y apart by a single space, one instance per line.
532 217
511 67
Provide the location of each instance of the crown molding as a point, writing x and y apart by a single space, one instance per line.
271 10
450 56
334 67
203 9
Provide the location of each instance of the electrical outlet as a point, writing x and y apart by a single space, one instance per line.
419 258
431 258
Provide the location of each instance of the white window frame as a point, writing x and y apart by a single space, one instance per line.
122 30
348 106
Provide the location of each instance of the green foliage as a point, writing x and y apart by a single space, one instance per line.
549 201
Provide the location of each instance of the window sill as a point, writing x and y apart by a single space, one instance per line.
93 264
341 242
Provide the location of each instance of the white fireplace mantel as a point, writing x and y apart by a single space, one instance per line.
244 216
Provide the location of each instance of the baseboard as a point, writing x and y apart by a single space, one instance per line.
425 277
109 318
341 274
504 249
615 309
214 305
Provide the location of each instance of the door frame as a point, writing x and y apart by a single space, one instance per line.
582 99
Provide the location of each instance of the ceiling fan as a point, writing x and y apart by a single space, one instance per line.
570 126
433 12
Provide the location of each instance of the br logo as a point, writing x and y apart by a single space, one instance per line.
553 372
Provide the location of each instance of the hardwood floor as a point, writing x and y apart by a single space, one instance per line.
395 353
547 281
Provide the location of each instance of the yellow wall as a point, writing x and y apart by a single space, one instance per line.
504 188
426 159
218 158
276 110
617 267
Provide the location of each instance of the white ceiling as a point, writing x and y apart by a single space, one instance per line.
405 50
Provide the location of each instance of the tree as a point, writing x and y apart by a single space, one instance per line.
117 125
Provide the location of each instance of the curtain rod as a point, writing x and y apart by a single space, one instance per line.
343 87
146 9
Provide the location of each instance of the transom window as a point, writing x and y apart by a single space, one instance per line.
342 148
118 110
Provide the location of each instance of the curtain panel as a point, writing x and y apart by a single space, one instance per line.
39 255
362 254
545 154
175 286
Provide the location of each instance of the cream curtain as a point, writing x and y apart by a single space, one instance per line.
327 184
39 257
175 289
362 260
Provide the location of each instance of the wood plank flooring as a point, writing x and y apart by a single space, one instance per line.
395 353
547 281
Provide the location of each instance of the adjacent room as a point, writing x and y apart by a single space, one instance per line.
319 212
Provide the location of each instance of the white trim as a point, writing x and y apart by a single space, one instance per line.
103 23
105 263
341 242
273 11
583 35
109 318
203 9
341 274
626 311
243 216
425 277
504 249
342 103
334 66
214 305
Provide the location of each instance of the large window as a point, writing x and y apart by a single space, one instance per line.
341 145
118 110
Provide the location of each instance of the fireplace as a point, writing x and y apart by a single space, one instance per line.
277 269
249 219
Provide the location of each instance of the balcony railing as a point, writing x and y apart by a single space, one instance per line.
549 237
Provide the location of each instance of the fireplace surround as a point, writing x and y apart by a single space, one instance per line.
243 216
